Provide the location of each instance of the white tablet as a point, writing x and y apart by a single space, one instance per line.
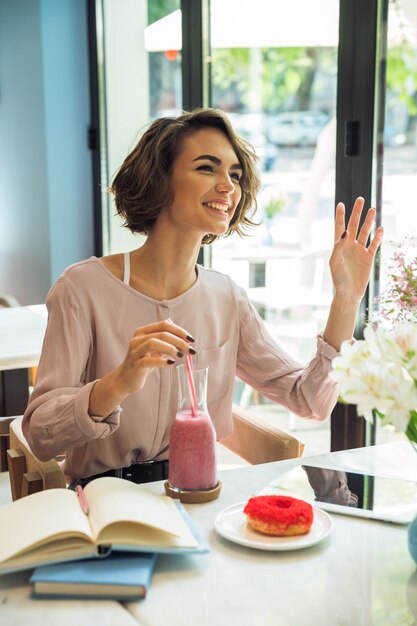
350 493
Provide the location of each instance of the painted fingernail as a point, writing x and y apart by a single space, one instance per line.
180 354
191 350
344 234
190 338
170 361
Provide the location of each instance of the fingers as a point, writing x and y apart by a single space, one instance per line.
179 330
144 354
355 217
166 325
161 344
366 227
375 243
158 345
353 225
339 222
152 362
152 346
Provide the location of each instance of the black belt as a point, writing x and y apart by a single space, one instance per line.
145 472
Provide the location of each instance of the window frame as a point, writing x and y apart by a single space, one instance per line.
360 109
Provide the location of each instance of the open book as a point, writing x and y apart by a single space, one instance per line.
50 526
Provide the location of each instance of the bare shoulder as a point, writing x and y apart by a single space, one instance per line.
114 263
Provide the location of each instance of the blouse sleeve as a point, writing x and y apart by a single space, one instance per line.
262 363
57 418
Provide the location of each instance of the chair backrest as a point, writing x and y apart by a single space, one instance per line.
258 442
27 473
7 300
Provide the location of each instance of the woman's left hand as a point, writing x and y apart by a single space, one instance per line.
351 260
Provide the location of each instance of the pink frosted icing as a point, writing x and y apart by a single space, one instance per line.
192 455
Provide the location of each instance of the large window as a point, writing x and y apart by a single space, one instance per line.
328 117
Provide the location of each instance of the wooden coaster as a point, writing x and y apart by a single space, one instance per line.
193 497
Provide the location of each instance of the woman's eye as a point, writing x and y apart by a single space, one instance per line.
235 176
205 168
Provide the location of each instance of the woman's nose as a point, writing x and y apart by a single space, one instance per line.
225 184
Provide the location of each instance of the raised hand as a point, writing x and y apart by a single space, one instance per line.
350 266
351 260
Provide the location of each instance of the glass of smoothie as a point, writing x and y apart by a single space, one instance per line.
192 443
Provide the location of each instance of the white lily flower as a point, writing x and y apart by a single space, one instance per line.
380 372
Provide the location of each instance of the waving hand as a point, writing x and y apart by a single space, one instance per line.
352 257
350 266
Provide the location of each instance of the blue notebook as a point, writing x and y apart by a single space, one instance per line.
120 576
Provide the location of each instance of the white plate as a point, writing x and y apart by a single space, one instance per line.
231 524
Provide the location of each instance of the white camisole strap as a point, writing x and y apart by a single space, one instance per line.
126 277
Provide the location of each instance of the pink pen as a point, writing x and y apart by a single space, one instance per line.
83 500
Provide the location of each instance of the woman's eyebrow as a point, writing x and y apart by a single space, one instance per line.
216 161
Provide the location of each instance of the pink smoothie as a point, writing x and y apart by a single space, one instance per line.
192 453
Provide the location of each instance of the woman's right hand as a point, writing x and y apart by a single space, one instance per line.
153 346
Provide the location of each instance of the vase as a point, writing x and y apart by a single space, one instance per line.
412 529
412 539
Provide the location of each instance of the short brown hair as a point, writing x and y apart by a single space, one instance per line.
142 185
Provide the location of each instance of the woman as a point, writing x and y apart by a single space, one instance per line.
106 389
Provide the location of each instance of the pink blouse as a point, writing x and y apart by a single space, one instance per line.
92 317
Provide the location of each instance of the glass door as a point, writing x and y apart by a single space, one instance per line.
396 165
275 74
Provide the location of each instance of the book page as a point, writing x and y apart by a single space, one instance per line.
118 504
44 555
41 518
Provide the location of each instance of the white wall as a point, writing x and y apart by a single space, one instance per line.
46 220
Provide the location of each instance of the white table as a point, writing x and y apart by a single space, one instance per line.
21 335
361 575
17 608
22 330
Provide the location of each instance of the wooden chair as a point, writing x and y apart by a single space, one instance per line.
27 473
257 442
4 441
6 301
252 440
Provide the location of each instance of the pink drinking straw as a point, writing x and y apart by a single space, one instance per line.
189 366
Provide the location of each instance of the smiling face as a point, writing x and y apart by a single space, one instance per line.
205 184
